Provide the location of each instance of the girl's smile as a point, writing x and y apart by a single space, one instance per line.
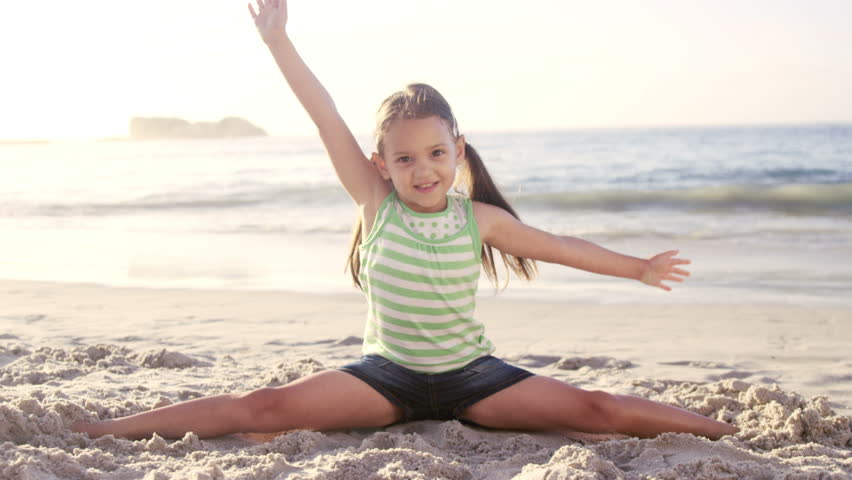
426 188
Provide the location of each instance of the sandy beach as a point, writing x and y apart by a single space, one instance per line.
781 373
178 210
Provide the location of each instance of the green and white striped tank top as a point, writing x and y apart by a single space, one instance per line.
421 292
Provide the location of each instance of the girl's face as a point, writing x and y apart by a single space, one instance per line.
420 158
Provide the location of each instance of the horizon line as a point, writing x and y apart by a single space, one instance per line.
31 141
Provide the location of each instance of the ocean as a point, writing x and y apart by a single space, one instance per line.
763 212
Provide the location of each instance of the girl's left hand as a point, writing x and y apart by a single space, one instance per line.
663 267
270 18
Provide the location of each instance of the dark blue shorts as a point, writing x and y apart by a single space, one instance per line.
441 396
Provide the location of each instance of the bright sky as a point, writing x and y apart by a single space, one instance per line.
75 70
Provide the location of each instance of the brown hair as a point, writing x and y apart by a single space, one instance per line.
419 100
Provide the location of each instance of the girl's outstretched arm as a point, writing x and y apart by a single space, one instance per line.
504 232
359 177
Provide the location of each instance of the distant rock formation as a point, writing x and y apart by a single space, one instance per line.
151 128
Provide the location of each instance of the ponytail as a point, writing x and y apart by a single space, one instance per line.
353 261
477 181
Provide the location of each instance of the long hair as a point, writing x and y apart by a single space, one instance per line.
419 100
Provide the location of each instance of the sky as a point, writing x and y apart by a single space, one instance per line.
81 70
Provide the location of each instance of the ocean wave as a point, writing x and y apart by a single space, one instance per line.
245 197
799 173
792 199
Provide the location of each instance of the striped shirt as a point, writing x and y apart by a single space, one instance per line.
421 293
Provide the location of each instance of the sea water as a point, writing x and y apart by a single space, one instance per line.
764 213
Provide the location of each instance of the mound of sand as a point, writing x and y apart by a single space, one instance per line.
782 434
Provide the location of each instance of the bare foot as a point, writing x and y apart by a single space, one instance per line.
730 430
86 427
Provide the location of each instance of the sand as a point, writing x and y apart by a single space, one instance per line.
780 372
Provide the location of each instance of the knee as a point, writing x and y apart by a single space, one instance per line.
257 406
257 400
606 409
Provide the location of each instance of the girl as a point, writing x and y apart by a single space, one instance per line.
416 254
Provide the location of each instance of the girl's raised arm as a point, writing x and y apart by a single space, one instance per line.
360 179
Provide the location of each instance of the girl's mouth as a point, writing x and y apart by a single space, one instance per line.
426 188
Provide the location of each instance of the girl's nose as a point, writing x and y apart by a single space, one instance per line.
422 168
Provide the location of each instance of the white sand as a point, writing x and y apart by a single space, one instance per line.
70 352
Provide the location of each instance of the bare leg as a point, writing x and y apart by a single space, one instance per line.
541 403
324 401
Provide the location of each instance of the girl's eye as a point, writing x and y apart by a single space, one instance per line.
437 152
403 159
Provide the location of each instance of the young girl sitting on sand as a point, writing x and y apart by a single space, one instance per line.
416 254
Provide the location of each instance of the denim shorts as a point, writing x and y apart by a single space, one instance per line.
441 396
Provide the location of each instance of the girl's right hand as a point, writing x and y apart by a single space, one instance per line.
664 267
270 18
